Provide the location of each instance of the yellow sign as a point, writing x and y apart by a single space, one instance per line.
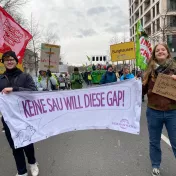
50 45
2 68
122 51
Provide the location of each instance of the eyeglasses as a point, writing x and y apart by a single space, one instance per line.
9 60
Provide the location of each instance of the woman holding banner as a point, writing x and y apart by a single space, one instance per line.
109 76
13 80
161 110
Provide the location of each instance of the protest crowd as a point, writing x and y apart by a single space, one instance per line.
164 113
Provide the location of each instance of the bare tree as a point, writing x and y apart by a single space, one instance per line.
115 39
13 8
163 26
35 43
50 37
118 39
12 4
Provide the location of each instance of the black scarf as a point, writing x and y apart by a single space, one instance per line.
164 68
13 72
12 75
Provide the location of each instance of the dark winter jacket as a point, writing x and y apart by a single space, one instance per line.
108 77
18 80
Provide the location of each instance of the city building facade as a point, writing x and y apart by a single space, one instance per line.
158 18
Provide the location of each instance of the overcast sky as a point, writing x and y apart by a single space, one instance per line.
85 27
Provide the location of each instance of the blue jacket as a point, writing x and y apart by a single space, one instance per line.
108 77
128 76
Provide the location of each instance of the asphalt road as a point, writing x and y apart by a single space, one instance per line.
93 153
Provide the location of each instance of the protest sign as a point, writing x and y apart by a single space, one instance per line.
165 86
63 68
122 51
50 56
35 116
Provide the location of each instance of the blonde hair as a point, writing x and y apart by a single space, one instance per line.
152 64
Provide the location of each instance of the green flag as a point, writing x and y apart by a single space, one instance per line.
143 47
88 58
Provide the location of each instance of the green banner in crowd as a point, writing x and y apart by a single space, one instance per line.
96 76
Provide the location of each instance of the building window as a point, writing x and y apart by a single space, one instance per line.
153 27
142 22
148 30
171 5
101 58
97 58
171 41
146 4
136 3
172 21
153 12
104 58
141 10
158 24
157 8
131 32
147 17
136 15
93 58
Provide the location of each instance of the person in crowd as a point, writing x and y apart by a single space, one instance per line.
109 76
117 74
89 77
120 72
2 130
76 79
62 83
126 74
85 77
93 67
160 110
14 80
67 80
140 75
46 81
134 71
98 67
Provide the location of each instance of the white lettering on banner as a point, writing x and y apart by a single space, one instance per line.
36 116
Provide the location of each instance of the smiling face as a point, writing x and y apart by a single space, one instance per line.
126 70
110 69
161 53
10 63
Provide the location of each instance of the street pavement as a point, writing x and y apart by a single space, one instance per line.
93 153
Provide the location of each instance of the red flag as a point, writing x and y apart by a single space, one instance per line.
12 35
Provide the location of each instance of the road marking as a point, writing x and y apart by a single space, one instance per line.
165 139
